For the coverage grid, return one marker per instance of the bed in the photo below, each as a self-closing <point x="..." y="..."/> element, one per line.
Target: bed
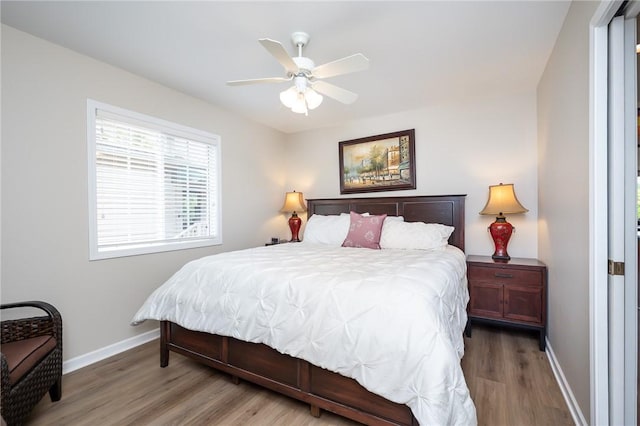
<point x="307" y="366"/>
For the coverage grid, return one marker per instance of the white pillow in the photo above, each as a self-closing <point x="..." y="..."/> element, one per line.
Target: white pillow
<point x="329" y="230"/>
<point x="414" y="235"/>
<point x="385" y="228"/>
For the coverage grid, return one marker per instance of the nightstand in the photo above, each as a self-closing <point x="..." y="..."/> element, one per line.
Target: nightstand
<point x="512" y="294"/>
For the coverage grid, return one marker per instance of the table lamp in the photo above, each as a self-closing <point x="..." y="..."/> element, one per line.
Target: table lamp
<point x="293" y="202"/>
<point x="502" y="199"/>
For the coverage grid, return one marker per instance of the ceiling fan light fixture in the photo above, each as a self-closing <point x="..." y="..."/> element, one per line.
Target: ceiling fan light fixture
<point x="300" y="101"/>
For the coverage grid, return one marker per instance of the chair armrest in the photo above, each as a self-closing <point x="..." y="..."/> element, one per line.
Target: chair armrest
<point x="24" y="328"/>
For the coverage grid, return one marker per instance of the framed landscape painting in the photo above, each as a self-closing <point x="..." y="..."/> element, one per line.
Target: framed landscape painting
<point x="378" y="163"/>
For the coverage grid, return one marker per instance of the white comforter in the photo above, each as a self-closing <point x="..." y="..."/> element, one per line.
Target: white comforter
<point x="391" y="319"/>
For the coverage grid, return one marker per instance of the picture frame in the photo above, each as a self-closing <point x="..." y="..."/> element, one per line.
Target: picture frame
<point x="378" y="163"/>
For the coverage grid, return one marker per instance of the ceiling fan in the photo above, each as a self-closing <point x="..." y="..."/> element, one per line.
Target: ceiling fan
<point x="305" y="93"/>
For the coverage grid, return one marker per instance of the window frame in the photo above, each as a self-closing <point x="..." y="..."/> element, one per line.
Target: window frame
<point x="97" y="253"/>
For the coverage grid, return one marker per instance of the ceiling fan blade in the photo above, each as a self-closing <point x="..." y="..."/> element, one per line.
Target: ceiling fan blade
<point x="353" y="63"/>
<point x="280" y="53"/>
<point x="335" y="92"/>
<point x="258" y="80"/>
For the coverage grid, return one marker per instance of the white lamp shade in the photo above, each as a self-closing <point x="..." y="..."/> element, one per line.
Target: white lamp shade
<point x="299" y="106"/>
<point x="289" y="96"/>
<point x="502" y="199"/>
<point x="314" y="99"/>
<point x="293" y="202"/>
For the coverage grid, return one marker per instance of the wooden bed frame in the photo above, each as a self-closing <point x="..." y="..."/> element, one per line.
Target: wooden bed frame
<point x="296" y="378"/>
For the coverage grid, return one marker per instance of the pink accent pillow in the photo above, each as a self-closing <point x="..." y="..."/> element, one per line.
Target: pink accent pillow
<point x="364" y="231"/>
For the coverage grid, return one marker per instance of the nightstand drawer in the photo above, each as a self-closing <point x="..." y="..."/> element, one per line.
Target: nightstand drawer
<point x="519" y="276"/>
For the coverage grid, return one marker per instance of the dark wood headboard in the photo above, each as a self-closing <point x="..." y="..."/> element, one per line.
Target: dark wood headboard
<point x="444" y="209"/>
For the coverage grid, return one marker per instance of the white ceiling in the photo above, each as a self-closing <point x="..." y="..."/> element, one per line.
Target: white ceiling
<point x="421" y="52"/>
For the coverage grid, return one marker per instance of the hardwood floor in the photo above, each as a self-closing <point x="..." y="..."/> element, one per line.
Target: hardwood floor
<point x="510" y="381"/>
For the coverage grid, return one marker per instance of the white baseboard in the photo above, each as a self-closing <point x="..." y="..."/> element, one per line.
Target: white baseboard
<point x="572" y="404"/>
<point x="104" y="353"/>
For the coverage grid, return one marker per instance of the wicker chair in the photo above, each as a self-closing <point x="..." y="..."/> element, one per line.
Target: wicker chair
<point x="31" y="356"/>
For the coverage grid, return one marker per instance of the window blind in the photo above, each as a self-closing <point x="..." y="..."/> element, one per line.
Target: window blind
<point x="156" y="184"/>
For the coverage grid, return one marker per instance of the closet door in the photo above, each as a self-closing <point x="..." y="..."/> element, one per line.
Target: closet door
<point x="622" y="221"/>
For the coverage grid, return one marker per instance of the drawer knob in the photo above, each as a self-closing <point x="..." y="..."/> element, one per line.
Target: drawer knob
<point x="503" y="275"/>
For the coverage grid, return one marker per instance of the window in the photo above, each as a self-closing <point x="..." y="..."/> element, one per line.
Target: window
<point x="153" y="185"/>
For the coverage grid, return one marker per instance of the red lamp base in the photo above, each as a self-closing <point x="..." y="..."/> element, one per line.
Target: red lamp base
<point x="294" y="225"/>
<point x="501" y="233"/>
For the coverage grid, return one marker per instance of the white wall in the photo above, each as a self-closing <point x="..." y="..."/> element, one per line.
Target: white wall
<point x="44" y="187"/>
<point x="563" y="196"/>
<point x="461" y="148"/>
